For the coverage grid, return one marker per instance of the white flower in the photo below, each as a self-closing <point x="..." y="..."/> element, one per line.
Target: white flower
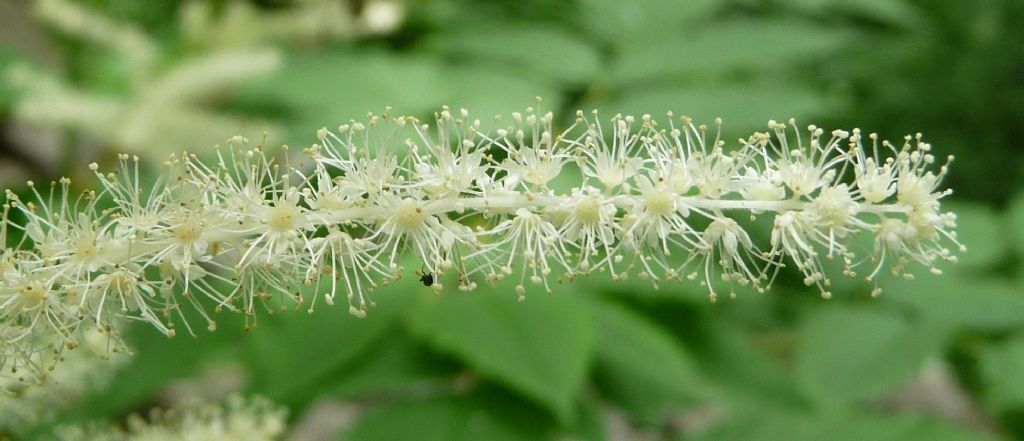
<point x="589" y="225"/>
<point x="728" y="245"/>
<point x="806" y="167"/>
<point x="658" y="220"/>
<point x="536" y="162"/>
<point x="534" y="166"/>
<point x="527" y="241"/>
<point x="761" y="187"/>
<point x="611" y="164"/>
<point x="794" y="236"/>
<point x="876" y="180"/>
<point x="345" y="261"/>
<point x="448" y="169"/>
<point x="834" y="208"/>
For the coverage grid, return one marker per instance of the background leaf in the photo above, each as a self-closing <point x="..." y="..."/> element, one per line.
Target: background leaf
<point x="983" y="303"/>
<point x="547" y="52"/>
<point x="540" y="348"/>
<point x="743" y="107"/>
<point x="978" y="226"/>
<point x="1001" y="366"/>
<point x="641" y="366"/>
<point x="340" y="339"/>
<point x="623" y="22"/>
<point x="726" y="48"/>
<point x="851" y="354"/>
<point x="773" y="424"/>
<point x="449" y="419"/>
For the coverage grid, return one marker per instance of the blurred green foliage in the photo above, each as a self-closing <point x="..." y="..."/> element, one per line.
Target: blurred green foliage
<point x="599" y="361"/>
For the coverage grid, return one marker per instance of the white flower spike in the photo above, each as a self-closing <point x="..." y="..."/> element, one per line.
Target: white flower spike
<point x="238" y="419"/>
<point x="665" y="201"/>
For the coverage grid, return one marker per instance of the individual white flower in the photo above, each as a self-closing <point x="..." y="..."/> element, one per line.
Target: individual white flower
<point x="534" y="166"/>
<point x="794" y="236"/>
<point x="590" y="226"/>
<point x="918" y="239"/>
<point x="281" y="224"/>
<point x="657" y="225"/>
<point x="536" y="162"/>
<point x="349" y="264"/>
<point x="713" y="174"/>
<point x="875" y="178"/>
<point x="875" y="183"/>
<point x="668" y="151"/>
<point x="728" y="245"/>
<point x="756" y="186"/>
<point x="834" y="209"/>
<point x="445" y="170"/>
<point x="526" y="241"/>
<point x="917" y="186"/>
<point x="33" y="306"/>
<point x="410" y="222"/>
<point x="806" y="167"/>
<point x="610" y="164"/>
<point x="362" y="169"/>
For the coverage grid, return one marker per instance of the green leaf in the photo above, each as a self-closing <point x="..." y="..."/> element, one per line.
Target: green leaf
<point x="325" y="88"/>
<point x="9" y="56"/>
<point x="321" y="88"/>
<point x="741" y="369"/>
<point x="894" y="12"/>
<point x="489" y="89"/>
<point x="621" y="22"/>
<point x="774" y="424"/>
<point x="960" y="300"/>
<point x="395" y="363"/>
<point x="853" y="353"/>
<point x="540" y="347"/>
<point x="752" y="46"/>
<point x="981" y="229"/>
<point x="643" y="368"/>
<point x="743" y="107"/>
<point x="550" y="52"/>
<point x="279" y="349"/>
<point x="158" y="361"/>
<point x="589" y="423"/>
<point x="1015" y="223"/>
<point x="1001" y="365"/>
<point x="450" y="419"/>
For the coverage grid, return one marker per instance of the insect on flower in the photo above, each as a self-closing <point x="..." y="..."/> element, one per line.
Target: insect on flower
<point x="426" y="277"/>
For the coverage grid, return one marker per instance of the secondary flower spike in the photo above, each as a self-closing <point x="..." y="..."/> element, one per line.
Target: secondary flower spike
<point x="659" y="199"/>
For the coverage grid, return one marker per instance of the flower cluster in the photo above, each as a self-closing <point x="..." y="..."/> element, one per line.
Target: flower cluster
<point x="239" y="419"/>
<point x="27" y="402"/>
<point x="237" y="229"/>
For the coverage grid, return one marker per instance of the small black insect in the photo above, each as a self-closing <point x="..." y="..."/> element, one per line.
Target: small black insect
<point x="426" y="278"/>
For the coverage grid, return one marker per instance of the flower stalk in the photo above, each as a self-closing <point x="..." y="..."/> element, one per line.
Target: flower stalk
<point x="662" y="201"/>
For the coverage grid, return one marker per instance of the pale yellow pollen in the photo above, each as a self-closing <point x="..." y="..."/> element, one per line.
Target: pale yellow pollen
<point x="85" y="249"/>
<point x="187" y="232"/>
<point x="589" y="210"/>
<point x="410" y="216"/>
<point x="658" y="203"/>
<point x="283" y="217"/>
<point x="121" y="281"/>
<point x="32" y="295"/>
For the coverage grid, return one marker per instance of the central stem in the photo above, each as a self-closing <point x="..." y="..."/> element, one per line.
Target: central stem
<point x="538" y="202"/>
